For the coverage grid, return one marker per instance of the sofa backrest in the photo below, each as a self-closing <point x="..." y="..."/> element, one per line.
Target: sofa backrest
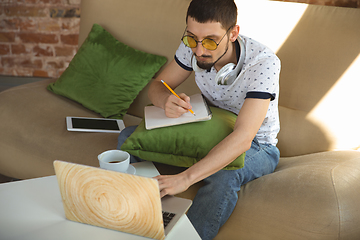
<point x="318" y="46"/>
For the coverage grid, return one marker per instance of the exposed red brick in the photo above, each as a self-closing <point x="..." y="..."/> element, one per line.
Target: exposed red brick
<point x="71" y="25"/>
<point x="12" y="62"/>
<point x="49" y="25"/>
<point x="30" y="1"/>
<point x="40" y="51"/>
<point x="9" y="24"/>
<point x="29" y="37"/>
<point x="56" y="64"/>
<point x="65" y="12"/>
<point x="17" y="49"/>
<point x="70" y="39"/>
<point x="53" y="73"/>
<point x="64" y="51"/>
<point x="60" y="72"/>
<point x="24" y="11"/>
<point x="40" y="73"/>
<point x="38" y="38"/>
<point x="28" y="72"/>
<point x="27" y="24"/>
<point x="52" y="1"/>
<point x="67" y="62"/>
<point x="73" y="2"/>
<point x="30" y="63"/>
<point x="7" y="37"/>
<point x="4" y="49"/>
<point x="7" y="62"/>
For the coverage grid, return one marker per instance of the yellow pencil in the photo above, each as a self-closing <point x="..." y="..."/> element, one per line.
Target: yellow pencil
<point x="172" y="91"/>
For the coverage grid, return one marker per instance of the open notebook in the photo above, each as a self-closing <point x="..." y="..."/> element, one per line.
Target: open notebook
<point x="117" y="201"/>
<point x="155" y="117"/>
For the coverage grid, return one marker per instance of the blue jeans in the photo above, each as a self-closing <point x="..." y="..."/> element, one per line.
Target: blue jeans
<point x="216" y="200"/>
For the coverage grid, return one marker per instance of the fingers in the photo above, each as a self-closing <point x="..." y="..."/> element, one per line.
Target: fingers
<point x="171" y="184"/>
<point x="166" y="185"/>
<point x="163" y="193"/>
<point x="175" y="107"/>
<point x="163" y="190"/>
<point x="186" y="98"/>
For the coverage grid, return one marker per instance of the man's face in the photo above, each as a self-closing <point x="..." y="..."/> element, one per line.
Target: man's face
<point x="213" y="30"/>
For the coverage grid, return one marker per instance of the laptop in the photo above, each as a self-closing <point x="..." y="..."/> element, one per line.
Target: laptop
<point x="118" y="201"/>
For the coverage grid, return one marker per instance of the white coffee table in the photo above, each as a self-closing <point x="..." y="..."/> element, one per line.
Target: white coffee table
<point x="32" y="209"/>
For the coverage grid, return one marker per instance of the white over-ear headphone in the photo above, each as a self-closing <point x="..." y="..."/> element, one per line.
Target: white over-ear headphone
<point x="228" y="73"/>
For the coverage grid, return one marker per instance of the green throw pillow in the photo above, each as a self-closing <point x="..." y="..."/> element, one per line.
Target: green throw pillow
<point x="106" y="75"/>
<point x="183" y="145"/>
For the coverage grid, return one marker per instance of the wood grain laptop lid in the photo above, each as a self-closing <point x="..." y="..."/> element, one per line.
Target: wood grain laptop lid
<point x="108" y="199"/>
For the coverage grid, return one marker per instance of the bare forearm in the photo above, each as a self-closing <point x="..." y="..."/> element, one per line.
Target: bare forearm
<point x="158" y="94"/>
<point x="239" y="141"/>
<point x="173" y="75"/>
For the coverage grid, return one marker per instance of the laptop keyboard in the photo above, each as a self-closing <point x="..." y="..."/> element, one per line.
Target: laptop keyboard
<point x="167" y="217"/>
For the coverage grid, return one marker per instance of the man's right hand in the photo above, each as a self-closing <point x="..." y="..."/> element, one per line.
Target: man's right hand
<point x="175" y="107"/>
<point x="160" y="96"/>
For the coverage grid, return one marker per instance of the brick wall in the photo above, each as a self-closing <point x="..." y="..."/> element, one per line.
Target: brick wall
<point x="39" y="37"/>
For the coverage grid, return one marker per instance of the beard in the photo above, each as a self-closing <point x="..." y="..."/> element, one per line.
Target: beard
<point x="209" y="65"/>
<point x="205" y="65"/>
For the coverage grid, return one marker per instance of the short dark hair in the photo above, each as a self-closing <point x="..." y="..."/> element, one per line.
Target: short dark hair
<point x="222" y="11"/>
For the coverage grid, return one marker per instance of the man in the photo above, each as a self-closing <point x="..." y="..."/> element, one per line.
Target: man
<point x="211" y="41"/>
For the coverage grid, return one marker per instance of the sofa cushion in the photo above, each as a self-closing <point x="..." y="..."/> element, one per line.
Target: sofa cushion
<point x="183" y="145"/>
<point x="106" y="75"/>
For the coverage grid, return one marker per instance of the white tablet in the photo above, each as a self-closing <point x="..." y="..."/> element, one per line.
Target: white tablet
<point x="82" y="124"/>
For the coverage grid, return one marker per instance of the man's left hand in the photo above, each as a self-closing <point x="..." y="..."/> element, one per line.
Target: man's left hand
<point x="172" y="184"/>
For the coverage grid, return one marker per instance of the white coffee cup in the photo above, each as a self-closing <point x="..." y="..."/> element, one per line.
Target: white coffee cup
<point x="115" y="160"/>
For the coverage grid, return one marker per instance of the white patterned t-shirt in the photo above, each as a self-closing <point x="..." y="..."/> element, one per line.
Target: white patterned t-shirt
<point x="259" y="78"/>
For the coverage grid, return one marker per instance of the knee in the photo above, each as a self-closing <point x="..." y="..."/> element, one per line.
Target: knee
<point x="224" y="181"/>
<point x="124" y="134"/>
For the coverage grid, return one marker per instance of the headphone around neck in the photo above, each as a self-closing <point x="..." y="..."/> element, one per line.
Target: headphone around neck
<point x="228" y="73"/>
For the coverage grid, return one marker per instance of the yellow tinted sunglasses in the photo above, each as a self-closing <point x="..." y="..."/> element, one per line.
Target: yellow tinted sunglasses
<point x="207" y="43"/>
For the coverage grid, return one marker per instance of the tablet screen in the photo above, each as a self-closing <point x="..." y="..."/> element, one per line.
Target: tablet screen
<point x="95" y="124"/>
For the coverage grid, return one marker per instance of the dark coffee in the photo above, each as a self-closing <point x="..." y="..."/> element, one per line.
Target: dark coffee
<point x="115" y="161"/>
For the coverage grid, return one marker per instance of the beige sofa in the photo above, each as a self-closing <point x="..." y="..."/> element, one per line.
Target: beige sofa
<point x="314" y="192"/>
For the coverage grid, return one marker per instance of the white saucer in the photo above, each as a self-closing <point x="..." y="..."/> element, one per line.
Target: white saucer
<point x="131" y="170"/>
